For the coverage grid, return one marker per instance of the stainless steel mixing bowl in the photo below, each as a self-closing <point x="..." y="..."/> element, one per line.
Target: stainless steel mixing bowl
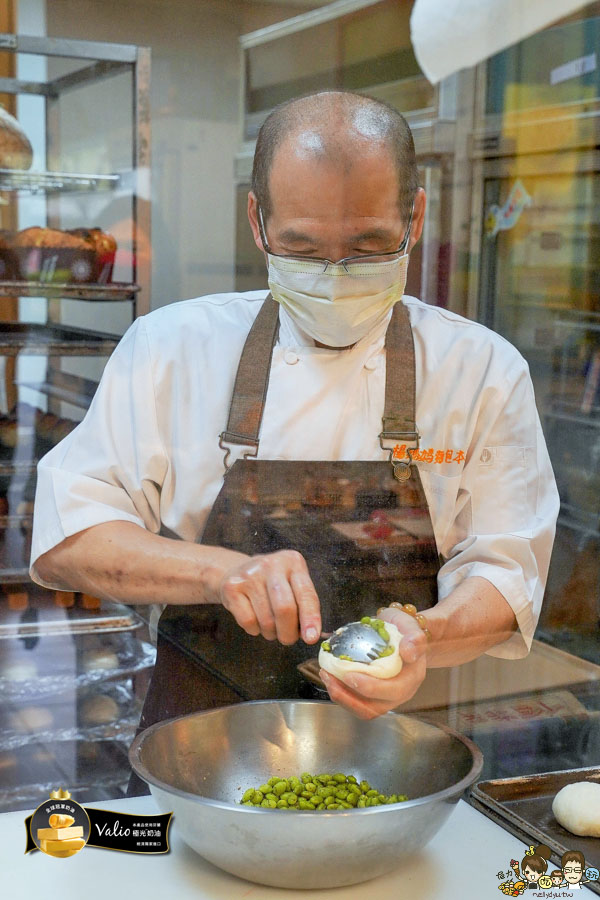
<point x="199" y="766"/>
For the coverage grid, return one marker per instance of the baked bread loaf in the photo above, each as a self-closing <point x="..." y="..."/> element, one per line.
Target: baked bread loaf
<point x="51" y="237"/>
<point x="15" y="150"/>
<point x="102" y="242"/>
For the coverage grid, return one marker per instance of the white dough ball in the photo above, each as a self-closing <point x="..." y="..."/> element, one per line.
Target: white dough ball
<point x="577" y="808"/>
<point x="100" y="658"/>
<point x="19" y="671"/>
<point x="99" y="709"/>
<point x="385" y="667"/>
<point x="31" y="718"/>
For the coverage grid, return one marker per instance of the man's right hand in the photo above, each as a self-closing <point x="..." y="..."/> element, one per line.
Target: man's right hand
<point x="273" y="595"/>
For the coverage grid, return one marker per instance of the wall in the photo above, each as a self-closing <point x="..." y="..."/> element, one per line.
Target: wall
<point x="195" y="123"/>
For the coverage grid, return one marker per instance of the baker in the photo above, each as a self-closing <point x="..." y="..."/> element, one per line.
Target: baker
<point x="270" y="465"/>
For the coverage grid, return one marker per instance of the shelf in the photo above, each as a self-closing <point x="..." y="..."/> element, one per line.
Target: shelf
<point x="578" y="418"/>
<point x="44" y="618"/>
<point x="54" y="182"/>
<point x="71" y="388"/>
<point x="568" y="520"/>
<point x="53" y="340"/>
<point x="18" y="468"/>
<point x="115" y="291"/>
<point x="17" y="521"/>
<point x="15" y="575"/>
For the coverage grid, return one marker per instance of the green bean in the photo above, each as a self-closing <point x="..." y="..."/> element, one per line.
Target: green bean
<point x="315" y="792"/>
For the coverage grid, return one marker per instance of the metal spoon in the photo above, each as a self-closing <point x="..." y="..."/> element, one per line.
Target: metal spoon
<point x="360" y="642"/>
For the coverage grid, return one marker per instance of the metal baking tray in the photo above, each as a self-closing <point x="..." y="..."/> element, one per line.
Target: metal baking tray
<point x="523" y="806"/>
<point x="43" y="618"/>
<point x="53" y="340"/>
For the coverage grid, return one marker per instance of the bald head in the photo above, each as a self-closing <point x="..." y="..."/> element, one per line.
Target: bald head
<point x="340" y="128"/>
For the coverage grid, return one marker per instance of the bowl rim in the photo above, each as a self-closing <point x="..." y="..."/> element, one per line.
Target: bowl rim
<point x="454" y="790"/>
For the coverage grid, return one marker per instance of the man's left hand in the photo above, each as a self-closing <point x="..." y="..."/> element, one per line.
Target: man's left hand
<point x="368" y="697"/>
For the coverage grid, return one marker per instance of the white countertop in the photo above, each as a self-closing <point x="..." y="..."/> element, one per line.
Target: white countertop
<point x="462" y="861"/>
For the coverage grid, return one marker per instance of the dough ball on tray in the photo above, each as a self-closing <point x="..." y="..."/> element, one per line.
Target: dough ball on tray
<point x="577" y="808"/>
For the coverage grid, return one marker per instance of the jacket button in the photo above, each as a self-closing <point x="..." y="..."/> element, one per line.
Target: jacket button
<point x="371" y="363"/>
<point x="291" y="357"/>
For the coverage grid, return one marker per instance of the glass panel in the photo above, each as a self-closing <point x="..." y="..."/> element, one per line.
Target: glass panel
<point x="553" y="67"/>
<point x="541" y="290"/>
<point x="366" y="48"/>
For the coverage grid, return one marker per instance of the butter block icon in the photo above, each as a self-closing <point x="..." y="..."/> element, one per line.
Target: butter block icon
<point x="60" y="834"/>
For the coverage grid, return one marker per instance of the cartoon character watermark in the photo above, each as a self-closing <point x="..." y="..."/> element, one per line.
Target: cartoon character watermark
<point x="532" y="874"/>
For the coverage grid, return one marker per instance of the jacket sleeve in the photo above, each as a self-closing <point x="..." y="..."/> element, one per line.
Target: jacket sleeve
<point x="506" y="507"/>
<point x="112" y="465"/>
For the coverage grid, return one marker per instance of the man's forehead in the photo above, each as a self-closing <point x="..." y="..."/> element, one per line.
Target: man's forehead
<point x="306" y="183"/>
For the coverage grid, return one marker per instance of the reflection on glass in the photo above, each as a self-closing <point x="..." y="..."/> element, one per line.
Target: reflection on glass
<point x="365" y="48"/>
<point x="540" y="287"/>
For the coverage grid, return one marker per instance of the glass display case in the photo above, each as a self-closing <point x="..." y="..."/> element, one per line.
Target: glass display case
<point x="534" y="279"/>
<point x="74" y="272"/>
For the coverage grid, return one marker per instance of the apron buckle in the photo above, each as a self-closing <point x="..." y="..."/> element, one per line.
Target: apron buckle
<point x="401" y="467"/>
<point x="238" y="440"/>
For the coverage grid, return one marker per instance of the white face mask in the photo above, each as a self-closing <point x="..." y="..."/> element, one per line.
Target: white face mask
<point x="337" y="306"/>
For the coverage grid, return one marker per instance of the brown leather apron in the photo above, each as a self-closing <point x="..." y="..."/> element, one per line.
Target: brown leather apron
<point x="363" y="527"/>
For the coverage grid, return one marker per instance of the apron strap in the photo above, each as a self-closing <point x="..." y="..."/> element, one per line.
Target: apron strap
<point x="400" y="380"/>
<point x="251" y="382"/>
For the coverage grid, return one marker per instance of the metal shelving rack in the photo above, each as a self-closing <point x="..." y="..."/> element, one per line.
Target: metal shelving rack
<point x="50" y="634"/>
<point x="90" y="62"/>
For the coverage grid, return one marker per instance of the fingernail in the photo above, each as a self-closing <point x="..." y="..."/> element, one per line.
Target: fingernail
<point x="311" y="634"/>
<point x="351" y="682"/>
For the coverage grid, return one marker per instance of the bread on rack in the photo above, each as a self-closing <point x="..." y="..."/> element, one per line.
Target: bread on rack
<point x="51" y="237"/>
<point x="15" y="150"/>
<point x="102" y="242"/>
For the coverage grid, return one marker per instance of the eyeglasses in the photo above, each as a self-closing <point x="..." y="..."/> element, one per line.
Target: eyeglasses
<point x="576" y="870"/>
<point x="347" y="261"/>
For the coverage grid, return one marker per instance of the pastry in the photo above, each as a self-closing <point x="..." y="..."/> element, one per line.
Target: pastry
<point x="100" y="659"/>
<point x="31" y="718"/>
<point x="577" y="808"/>
<point x="18" y="600"/>
<point x="89" y="602"/>
<point x="15" y="150"/>
<point x="7" y="761"/>
<point x="64" y="599"/>
<point x="99" y="709"/>
<point x="385" y="667"/>
<point x="103" y="243"/>
<point x="8" y="433"/>
<point x="19" y="671"/>
<point x="52" y="238"/>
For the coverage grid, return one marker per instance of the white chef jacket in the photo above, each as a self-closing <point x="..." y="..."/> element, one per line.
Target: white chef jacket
<point x="148" y="449"/>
